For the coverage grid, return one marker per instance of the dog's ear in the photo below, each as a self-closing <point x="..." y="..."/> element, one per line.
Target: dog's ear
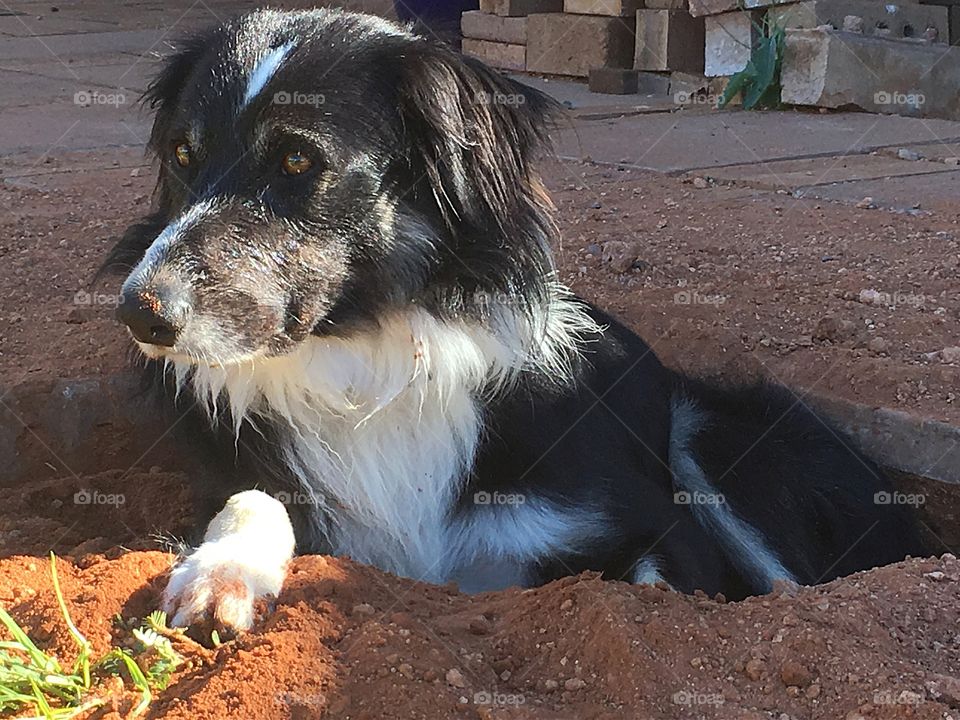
<point x="473" y="134"/>
<point x="163" y="92"/>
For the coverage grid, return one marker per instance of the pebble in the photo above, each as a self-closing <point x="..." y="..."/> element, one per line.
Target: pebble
<point x="878" y="345"/>
<point x="550" y="685"/>
<point x="574" y="684"/>
<point x="364" y="609"/>
<point x="754" y="669"/>
<point x="455" y="678"/>
<point x="794" y="673"/>
<point x="950" y="355"/>
<point x="566" y="604"/>
<point x="866" y="204"/>
<point x="700" y="183"/>
<point x="908" y="154"/>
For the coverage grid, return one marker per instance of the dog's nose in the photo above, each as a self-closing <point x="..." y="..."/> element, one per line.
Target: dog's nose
<point x="149" y="317"/>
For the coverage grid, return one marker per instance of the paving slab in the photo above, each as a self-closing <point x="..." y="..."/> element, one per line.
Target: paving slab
<point x="796" y="174"/>
<point x="682" y="141"/>
<point x="42" y="26"/>
<point x="897" y="193"/>
<point x="64" y="47"/>
<point x="69" y="127"/>
<point x="936" y="152"/>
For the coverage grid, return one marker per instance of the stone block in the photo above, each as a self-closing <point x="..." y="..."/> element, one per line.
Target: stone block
<point x="561" y="44"/>
<point x="699" y="8"/>
<point x="828" y="68"/>
<point x="902" y="20"/>
<point x="667" y="5"/>
<point x="494" y="28"/>
<point x="519" y="8"/>
<point x="499" y="55"/>
<point x="669" y="40"/>
<point x="613" y="8"/>
<point x="730" y="38"/>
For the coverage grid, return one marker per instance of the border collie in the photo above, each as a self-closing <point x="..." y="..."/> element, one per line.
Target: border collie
<point x="348" y="266"/>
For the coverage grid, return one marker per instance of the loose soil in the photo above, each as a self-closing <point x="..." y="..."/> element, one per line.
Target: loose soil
<point x="720" y="280"/>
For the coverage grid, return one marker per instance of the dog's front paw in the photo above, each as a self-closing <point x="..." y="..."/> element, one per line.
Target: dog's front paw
<point x="243" y="558"/>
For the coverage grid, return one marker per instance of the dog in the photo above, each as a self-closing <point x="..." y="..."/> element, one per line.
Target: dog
<point x="348" y="268"/>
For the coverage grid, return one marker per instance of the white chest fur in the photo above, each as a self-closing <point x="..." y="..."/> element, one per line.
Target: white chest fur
<point x="381" y="430"/>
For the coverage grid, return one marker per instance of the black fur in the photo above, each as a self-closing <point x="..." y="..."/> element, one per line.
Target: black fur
<point x="448" y="147"/>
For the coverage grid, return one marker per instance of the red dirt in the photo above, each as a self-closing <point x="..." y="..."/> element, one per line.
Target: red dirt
<point x="350" y="641"/>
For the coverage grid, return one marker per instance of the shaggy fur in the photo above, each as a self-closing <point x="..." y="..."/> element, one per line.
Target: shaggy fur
<point x="384" y="338"/>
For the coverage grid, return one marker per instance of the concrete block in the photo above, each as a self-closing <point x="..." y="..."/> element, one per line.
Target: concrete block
<point x="613" y="8"/>
<point x="827" y="68"/>
<point x="486" y="26"/>
<point x="730" y="38"/>
<point x="904" y="20"/>
<point x="669" y="40"/>
<point x="517" y="8"/>
<point x="561" y="44"/>
<point x="667" y="5"/>
<point x="498" y="55"/>
<point x="699" y="8"/>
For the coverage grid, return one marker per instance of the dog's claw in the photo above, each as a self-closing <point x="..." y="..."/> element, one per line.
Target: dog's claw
<point x="243" y="559"/>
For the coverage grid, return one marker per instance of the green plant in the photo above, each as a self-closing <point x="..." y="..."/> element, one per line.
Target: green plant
<point x="759" y="81"/>
<point x="33" y="680"/>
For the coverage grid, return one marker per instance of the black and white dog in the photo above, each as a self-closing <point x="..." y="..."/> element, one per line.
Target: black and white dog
<point x="349" y="266"/>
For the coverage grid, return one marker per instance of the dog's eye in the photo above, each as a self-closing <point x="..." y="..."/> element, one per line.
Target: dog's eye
<point x="181" y="152"/>
<point x="295" y="163"/>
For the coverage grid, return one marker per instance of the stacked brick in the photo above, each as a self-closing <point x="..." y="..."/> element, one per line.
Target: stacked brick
<point x="497" y="32"/>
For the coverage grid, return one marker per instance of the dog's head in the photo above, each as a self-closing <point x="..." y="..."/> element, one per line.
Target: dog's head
<point x="319" y="170"/>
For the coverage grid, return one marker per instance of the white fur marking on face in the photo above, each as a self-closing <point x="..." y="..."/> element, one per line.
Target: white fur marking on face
<point x="243" y="557"/>
<point x="158" y="248"/>
<point x="744" y="545"/>
<point x="265" y="69"/>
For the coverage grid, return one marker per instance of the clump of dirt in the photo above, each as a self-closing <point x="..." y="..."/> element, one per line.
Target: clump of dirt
<point x="346" y="640"/>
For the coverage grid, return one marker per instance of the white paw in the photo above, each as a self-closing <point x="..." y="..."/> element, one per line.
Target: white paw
<point x="243" y="558"/>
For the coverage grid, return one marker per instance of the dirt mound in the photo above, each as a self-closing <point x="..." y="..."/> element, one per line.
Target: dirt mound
<point x="346" y="640"/>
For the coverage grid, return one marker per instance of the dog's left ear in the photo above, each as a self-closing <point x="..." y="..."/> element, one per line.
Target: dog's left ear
<point x="473" y="133"/>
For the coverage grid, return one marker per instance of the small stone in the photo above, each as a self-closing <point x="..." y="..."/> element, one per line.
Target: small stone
<point x="908" y="154"/>
<point x="952" y="161"/>
<point x="866" y="204"/>
<point x="696" y="662"/>
<point x="455" y="678"/>
<point x="550" y="685"/>
<point x="813" y="692"/>
<point x="936" y="576"/>
<point x="754" y="669"/>
<point x="701" y="183"/>
<point x="364" y="610"/>
<point x="574" y="684"/>
<point x="405" y="669"/>
<point x="793" y="673"/>
<point x="853" y="23"/>
<point x="950" y="355"/>
<point x="566" y="605"/>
